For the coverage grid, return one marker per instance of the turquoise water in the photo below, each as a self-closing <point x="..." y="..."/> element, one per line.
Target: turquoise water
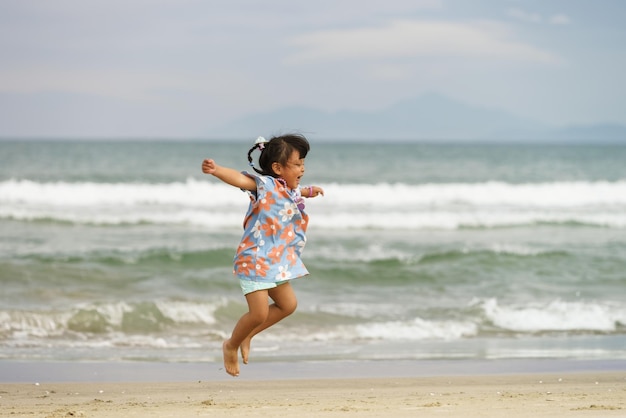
<point x="122" y="250"/>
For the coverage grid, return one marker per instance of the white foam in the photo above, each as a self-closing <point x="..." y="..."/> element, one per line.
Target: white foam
<point x="383" y="195"/>
<point x="556" y="315"/>
<point x="554" y="194"/>
<point x="23" y="324"/>
<point x="417" y="330"/>
<point x="189" y="313"/>
<point x="191" y="193"/>
<point x="213" y="204"/>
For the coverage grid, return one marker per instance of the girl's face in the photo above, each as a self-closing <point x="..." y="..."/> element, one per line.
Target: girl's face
<point x="291" y="172"/>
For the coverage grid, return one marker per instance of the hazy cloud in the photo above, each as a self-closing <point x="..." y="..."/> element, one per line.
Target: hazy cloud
<point x="533" y="17"/>
<point x="524" y="16"/>
<point x="413" y="38"/>
<point x="560" y="19"/>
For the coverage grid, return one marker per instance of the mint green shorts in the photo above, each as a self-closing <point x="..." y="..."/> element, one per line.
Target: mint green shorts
<point x="249" y="286"/>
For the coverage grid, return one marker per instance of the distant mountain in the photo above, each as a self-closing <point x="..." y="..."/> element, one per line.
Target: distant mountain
<point x="427" y="117"/>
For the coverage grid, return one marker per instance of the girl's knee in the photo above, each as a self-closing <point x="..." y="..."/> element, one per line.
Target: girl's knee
<point x="285" y="299"/>
<point x="258" y="316"/>
<point x="289" y="306"/>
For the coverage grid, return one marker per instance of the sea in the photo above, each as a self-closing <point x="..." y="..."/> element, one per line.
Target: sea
<point x="122" y="250"/>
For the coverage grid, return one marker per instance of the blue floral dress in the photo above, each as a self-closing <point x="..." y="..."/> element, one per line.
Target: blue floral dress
<point x="274" y="233"/>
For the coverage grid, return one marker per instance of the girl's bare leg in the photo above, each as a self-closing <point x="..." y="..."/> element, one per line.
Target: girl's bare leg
<point x="285" y="303"/>
<point x="258" y="312"/>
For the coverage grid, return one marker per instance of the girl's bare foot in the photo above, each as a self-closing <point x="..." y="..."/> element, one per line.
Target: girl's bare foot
<point x="231" y="360"/>
<point x="245" y="350"/>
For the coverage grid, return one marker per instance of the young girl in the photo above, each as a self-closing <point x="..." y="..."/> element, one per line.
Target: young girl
<point x="268" y="256"/>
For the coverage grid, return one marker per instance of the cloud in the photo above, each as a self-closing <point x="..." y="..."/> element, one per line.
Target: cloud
<point x="525" y="16"/>
<point x="388" y="71"/>
<point x="414" y="38"/>
<point x="131" y="85"/>
<point x="560" y="19"/>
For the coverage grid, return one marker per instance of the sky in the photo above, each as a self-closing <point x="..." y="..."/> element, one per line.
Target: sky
<point x="178" y="68"/>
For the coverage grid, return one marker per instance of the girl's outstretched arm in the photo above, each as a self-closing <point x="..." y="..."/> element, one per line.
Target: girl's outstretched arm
<point x="228" y="175"/>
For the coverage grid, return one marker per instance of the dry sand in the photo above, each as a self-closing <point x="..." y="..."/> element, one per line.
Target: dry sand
<point x="593" y="394"/>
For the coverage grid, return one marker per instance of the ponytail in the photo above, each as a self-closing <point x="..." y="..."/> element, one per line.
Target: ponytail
<point x="260" y="144"/>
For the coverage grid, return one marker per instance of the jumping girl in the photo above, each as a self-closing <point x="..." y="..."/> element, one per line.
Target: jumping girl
<point x="268" y="257"/>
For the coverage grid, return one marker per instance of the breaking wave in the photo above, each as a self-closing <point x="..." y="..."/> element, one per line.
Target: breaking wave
<point x="345" y="206"/>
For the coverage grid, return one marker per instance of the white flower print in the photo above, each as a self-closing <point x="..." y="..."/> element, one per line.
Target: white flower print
<point x="283" y="273"/>
<point x="300" y="246"/>
<point x="288" y="211"/>
<point x="256" y="232"/>
<point x="256" y="229"/>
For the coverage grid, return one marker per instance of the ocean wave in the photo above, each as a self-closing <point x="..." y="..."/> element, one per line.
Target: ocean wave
<point x="154" y="256"/>
<point x="128" y="318"/>
<point x="202" y="193"/>
<point x="346" y="206"/>
<point x="555" y="316"/>
<point x="166" y="326"/>
<point x="190" y="193"/>
<point x="229" y="219"/>
<point x="395" y="253"/>
<point x="418" y="329"/>
<point x="491" y="318"/>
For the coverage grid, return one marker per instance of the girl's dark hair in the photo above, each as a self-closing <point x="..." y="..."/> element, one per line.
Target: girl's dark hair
<point x="278" y="150"/>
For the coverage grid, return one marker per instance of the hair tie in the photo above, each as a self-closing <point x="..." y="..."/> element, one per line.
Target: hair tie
<point x="260" y="142"/>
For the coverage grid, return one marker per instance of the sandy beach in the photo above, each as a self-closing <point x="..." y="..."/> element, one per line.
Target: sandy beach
<point x="588" y="394"/>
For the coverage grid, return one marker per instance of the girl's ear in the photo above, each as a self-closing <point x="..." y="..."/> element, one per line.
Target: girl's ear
<point x="276" y="168"/>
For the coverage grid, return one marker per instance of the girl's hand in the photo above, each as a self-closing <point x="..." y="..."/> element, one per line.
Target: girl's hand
<point x="313" y="191"/>
<point x="228" y="175"/>
<point x="209" y="167"/>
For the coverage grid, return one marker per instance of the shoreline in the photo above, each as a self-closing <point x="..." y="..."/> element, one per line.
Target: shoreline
<point x="16" y="371"/>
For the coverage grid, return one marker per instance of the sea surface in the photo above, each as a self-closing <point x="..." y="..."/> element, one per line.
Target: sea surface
<point x="122" y="251"/>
